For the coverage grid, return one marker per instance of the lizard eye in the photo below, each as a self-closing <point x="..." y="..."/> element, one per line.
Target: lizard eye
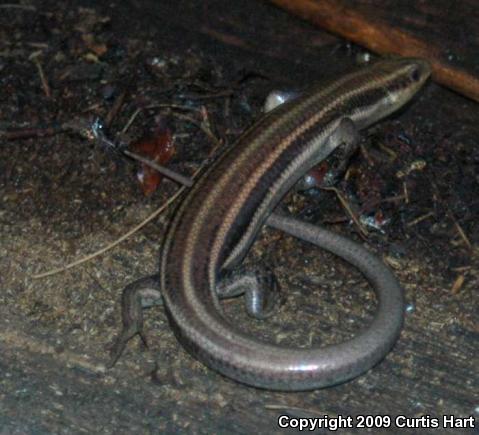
<point x="415" y="75"/>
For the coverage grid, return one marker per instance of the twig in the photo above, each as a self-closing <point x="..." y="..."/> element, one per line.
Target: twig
<point x="219" y="94"/>
<point x="185" y="181"/>
<point x="388" y="151"/>
<point x="17" y="6"/>
<point x="348" y="209"/>
<point x="93" y="107"/>
<point x="116" y="242"/>
<point x="23" y="133"/>
<point x="451" y="216"/>
<point x="461" y="269"/>
<point x="366" y="155"/>
<point x="201" y="125"/>
<point x="457" y="284"/>
<point x="420" y="219"/>
<point x="115" y="109"/>
<point x="45" y="85"/>
<point x="406" y="192"/>
<point x="460" y="230"/>
<point x="155" y="106"/>
<point x="130" y="121"/>
<point x="397" y="198"/>
<point x="206" y="130"/>
<point x="41" y="45"/>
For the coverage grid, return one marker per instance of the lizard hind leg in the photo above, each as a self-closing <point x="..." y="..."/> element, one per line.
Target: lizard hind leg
<point x="259" y="287"/>
<point x="142" y="293"/>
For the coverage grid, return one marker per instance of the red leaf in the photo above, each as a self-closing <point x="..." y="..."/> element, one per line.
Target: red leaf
<point x="158" y="147"/>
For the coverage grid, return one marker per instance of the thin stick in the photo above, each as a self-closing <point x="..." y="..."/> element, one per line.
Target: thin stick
<point x="206" y="130"/>
<point x="15" y="6"/>
<point x="45" y="85"/>
<point x="156" y="106"/>
<point x="420" y="219"/>
<point x="219" y="94"/>
<point x="348" y="209"/>
<point x="130" y="121"/>
<point x="451" y="216"/>
<point x="461" y="232"/>
<point x="116" y="242"/>
<point x="457" y="284"/>
<point x="396" y="198"/>
<point x="118" y="103"/>
<point x="406" y="192"/>
<point x="31" y="132"/>
<point x="185" y="181"/>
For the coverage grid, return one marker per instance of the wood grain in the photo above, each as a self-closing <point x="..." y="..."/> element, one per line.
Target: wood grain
<point x="426" y="33"/>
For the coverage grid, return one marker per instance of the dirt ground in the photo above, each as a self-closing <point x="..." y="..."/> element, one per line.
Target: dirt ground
<point x="414" y="185"/>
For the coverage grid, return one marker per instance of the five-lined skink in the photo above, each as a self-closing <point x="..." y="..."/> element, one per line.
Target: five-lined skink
<point x="220" y="216"/>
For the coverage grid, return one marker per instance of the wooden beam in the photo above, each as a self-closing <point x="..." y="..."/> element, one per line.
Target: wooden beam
<point x="383" y="37"/>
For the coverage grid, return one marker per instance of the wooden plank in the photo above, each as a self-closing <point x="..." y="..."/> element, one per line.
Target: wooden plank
<point x="421" y="29"/>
